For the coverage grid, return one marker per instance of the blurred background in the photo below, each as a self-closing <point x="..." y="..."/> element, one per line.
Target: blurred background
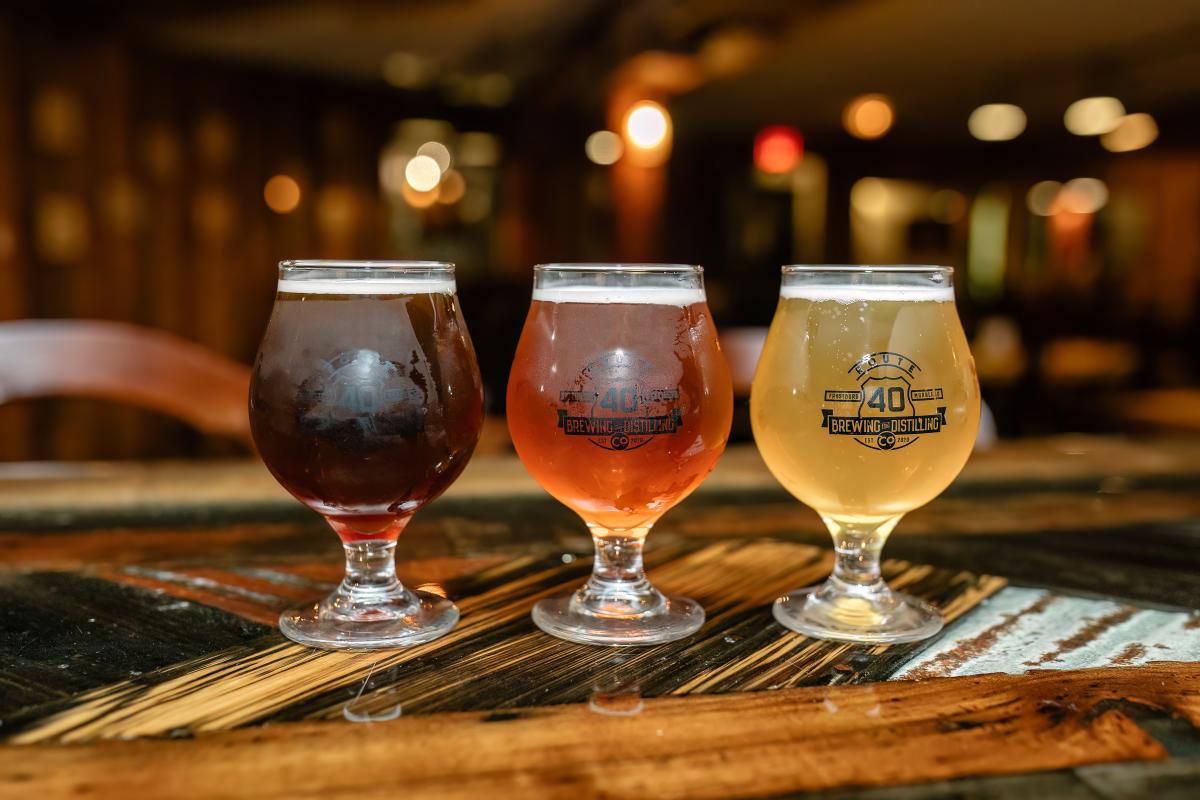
<point x="158" y="158"/>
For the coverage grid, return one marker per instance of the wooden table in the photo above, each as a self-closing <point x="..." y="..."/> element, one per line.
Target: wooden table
<point x="139" y="658"/>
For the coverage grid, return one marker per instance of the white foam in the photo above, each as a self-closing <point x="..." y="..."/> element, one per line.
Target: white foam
<point x="375" y="286"/>
<point x="632" y="295"/>
<point x="866" y="293"/>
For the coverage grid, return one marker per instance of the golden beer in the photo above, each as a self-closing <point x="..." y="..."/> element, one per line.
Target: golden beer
<point x="865" y="405"/>
<point x="876" y="360"/>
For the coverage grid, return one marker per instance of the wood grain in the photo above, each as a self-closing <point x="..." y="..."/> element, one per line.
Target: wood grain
<point x="495" y="658"/>
<point x="739" y="745"/>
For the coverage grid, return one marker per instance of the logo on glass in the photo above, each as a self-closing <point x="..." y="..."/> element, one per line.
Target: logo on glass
<point x="613" y="408"/>
<point x="892" y="412"/>
<point x="361" y="394"/>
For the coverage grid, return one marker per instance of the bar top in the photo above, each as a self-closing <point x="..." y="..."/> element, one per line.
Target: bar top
<point x="137" y="608"/>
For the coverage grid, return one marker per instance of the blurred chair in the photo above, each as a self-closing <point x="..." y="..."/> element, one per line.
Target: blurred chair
<point x="743" y="347"/>
<point x="116" y="361"/>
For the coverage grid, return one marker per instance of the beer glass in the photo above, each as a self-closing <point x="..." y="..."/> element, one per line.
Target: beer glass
<point x="865" y="406"/>
<point x="619" y="403"/>
<point x="365" y="404"/>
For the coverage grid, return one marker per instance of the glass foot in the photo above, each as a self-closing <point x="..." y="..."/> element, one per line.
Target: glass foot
<point x="565" y="617"/>
<point x="846" y="613"/>
<point x="405" y="619"/>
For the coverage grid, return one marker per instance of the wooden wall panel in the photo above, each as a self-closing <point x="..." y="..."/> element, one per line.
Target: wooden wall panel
<point x="16" y="420"/>
<point x="149" y="208"/>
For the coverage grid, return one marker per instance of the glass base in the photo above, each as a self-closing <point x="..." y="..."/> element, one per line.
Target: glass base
<point x="406" y="618"/>
<point x="842" y="612"/>
<point x="565" y="617"/>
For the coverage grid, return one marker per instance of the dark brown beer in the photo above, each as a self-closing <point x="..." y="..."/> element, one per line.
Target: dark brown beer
<point x="366" y="400"/>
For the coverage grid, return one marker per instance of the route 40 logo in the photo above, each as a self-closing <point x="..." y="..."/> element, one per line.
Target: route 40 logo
<point x="887" y="415"/>
<point x="613" y="408"/>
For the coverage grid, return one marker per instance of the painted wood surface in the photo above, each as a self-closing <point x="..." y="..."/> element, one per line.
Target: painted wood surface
<point x="1021" y="629"/>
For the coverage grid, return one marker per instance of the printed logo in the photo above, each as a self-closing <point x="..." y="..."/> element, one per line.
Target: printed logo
<point x="614" y="409"/>
<point x="887" y="402"/>
<point x="360" y="393"/>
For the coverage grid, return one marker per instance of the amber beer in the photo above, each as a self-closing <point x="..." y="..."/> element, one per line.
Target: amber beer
<point x="625" y="410"/>
<point x="366" y="401"/>
<point x="619" y="404"/>
<point x="865" y="404"/>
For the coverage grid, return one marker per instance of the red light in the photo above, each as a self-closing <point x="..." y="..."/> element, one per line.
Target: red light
<point x="778" y="149"/>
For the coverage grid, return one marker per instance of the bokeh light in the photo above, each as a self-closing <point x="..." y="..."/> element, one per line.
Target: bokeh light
<point x="452" y="188"/>
<point x="422" y="173"/>
<point x="62" y="229"/>
<point x="122" y="205"/>
<point x="406" y="70"/>
<point x="161" y="151"/>
<point x="58" y="121"/>
<point x="647" y="125"/>
<point x="1042" y="196"/>
<point x="947" y="206"/>
<point x="419" y="199"/>
<point x="996" y="122"/>
<point x="1093" y="116"/>
<point x="214" y="214"/>
<point x="604" y="148"/>
<point x="391" y="170"/>
<point x="438" y="152"/>
<point x="778" y="149"/>
<point x="216" y="139"/>
<point x="869" y="196"/>
<point x="1133" y="132"/>
<point x="282" y="194"/>
<point x="1082" y="196"/>
<point x="868" y="116"/>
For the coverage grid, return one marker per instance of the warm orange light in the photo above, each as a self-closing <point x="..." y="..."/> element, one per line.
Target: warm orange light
<point x="778" y="149"/>
<point x="282" y="194"/>
<point x="452" y="188"/>
<point x="868" y="116"/>
<point x="647" y="125"/>
<point x="417" y="198"/>
<point x="1133" y="132"/>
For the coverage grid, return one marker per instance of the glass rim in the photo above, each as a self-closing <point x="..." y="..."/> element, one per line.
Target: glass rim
<point x="859" y="269"/>
<point x="608" y="267"/>
<point x="394" y="266"/>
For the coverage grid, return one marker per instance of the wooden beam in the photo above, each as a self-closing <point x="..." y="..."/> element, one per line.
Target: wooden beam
<point x="760" y="744"/>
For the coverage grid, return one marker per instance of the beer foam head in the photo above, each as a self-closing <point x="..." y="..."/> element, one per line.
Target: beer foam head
<point x="368" y="286"/>
<point x="632" y="295"/>
<point x="862" y="293"/>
